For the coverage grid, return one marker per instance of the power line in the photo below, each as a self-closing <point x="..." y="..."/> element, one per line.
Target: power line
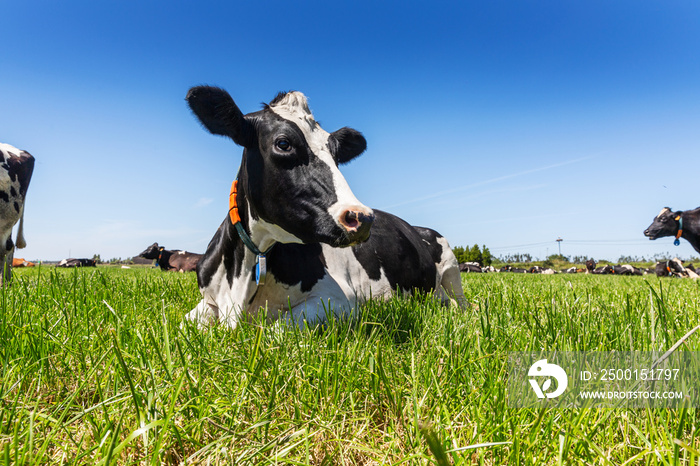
<point x="601" y="242"/>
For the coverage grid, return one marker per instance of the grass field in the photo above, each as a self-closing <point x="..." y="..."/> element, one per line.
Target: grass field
<point x="97" y="369"/>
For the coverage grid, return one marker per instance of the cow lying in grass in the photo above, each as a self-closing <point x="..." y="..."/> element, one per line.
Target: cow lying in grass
<point x="69" y="263"/>
<point x="297" y="242"/>
<point x="179" y="261"/>
<point x="675" y="268"/>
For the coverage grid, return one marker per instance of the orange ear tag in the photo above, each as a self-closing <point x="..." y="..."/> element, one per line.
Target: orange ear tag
<point x="233" y="203"/>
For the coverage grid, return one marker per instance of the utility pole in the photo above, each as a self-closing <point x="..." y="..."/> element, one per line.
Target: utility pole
<point x="559" y="240"/>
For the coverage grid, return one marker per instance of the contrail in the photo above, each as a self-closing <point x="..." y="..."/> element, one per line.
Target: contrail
<point x="492" y="180"/>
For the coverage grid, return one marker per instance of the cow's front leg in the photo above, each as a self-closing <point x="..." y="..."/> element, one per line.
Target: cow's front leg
<point x="316" y="311"/>
<point x="204" y="314"/>
<point x="6" y="267"/>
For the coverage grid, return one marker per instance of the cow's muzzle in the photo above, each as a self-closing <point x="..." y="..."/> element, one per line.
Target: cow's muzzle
<point x="357" y="223"/>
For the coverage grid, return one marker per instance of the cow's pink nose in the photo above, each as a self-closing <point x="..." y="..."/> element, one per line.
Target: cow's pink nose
<point x="357" y="222"/>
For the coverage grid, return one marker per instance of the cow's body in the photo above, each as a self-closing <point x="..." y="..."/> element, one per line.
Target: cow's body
<point x="16" y="167"/>
<point x="180" y="261"/>
<point x="681" y="224"/>
<point x="293" y="211"/>
<point x="306" y="277"/>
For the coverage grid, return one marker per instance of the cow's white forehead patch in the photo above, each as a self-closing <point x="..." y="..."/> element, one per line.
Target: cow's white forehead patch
<point x="9" y="150"/>
<point x="663" y="211"/>
<point x="295" y="107"/>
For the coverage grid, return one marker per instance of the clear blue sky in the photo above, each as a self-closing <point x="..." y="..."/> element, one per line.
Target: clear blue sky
<point x="501" y="123"/>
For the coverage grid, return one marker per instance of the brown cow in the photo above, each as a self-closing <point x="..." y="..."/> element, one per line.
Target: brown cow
<point x="182" y="261"/>
<point x="19" y="262"/>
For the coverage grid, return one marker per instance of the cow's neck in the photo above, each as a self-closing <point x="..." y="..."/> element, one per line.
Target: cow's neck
<point x="260" y="233"/>
<point x="691" y="228"/>
<point x="163" y="258"/>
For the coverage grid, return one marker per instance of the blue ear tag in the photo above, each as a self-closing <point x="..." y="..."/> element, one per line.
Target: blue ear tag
<point x="260" y="269"/>
<point x="677" y="242"/>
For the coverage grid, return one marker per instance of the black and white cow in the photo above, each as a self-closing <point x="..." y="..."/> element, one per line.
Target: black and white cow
<point x="681" y="224"/>
<point x="675" y="268"/>
<point x="605" y="270"/>
<point x="176" y="260"/>
<point x="510" y="268"/>
<point x="70" y="263"/>
<point x="301" y="228"/>
<point x="470" y="267"/>
<point x="541" y="270"/>
<point x="16" y="167"/>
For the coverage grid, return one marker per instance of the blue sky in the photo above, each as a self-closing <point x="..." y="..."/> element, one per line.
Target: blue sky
<point x="507" y="124"/>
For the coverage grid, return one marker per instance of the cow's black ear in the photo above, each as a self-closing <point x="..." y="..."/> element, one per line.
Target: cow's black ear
<point x="347" y="144"/>
<point x="219" y="114"/>
<point x="21" y="168"/>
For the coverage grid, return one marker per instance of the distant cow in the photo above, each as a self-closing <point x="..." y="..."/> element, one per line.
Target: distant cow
<point x="627" y="269"/>
<point x="674" y="268"/>
<point x="472" y="267"/>
<point x="181" y="261"/>
<point x="510" y="268"/>
<point x="19" y="262"/>
<point x="77" y="263"/>
<point x="685" y="224"/>
<point x="16" y="167"/>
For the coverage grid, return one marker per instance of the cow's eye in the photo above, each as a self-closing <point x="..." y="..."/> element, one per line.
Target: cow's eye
<point x="283" y="145"/>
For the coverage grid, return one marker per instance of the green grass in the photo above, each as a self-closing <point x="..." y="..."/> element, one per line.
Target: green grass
<point x="96" y="368"/>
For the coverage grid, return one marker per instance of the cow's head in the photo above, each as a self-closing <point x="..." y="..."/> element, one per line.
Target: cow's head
<point x="151" y="252"/>
<point x="590" y="265"/>
<point x="664" y="224"/>
<point x="289" y="171"/>
<point x="675" y="265"/>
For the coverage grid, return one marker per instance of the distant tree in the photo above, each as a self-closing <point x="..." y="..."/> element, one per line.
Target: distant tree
<point x="486" y="256"/>
<point x="97" y="259"/>
<point x="459" y="254"/>
<point x="516" y="258"/>
<point x="558" y="258"/>
<point x="474" y="254"/>
<point x="626" y="259"/>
